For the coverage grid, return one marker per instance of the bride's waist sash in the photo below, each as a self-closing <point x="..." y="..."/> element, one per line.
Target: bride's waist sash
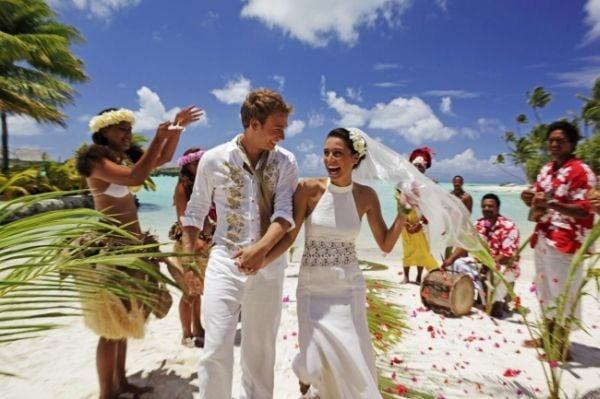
<point x="329" y="253"/>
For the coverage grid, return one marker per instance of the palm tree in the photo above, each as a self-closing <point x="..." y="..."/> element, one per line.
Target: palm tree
<point x="37" y="67"/>
<point x="538" y="99"/>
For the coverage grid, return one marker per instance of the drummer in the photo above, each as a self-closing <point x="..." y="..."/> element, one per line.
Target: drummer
<point x="502" y="237"/>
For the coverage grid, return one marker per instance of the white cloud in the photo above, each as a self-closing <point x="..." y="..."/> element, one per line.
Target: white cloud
<point x="20" y="125"/>
<point x="152" y="111"/>
<point x="398" y="83"/>
<point x="316" y="22"/>
<point x="411" y="118"/>
<point x="451" y="93"/>
<point x="592" y="19"/>
<point x="209" y="18"/>
<point x="382" y="66"/>
<point x="234" y="92"/>
<point x="446" y="106"/>
<point x="280" y="80"/>
<point x="351" y="115"/>
<point x="472" y="168"/>
<point x="311" y="165"/>
<point x="294" y="128"/>
<point x="316" y="120"/>
<point x="483" y="126"/>
<point x="584" y="77"/>
<point x="100" y="9"/>
<point x="306" y="146"/>
<point x="354" y="94"/>
<point x="442" y="4"/>
<point x="84" y="118"/>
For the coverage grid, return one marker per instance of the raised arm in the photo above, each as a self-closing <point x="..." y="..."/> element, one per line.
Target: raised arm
<point x="385" y="238"/>
<point x="109" y="171"/>
<point x="183" y="118"/>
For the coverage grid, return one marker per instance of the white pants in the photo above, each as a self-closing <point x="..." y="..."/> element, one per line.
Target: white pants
<point x="469" y="266"/>
<point x="551" y="272"/>
<point x="226" y="293"/>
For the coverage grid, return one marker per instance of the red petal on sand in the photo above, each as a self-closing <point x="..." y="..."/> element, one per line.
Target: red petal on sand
<point x="401" y="389"/>
<point x="511" y="372"/>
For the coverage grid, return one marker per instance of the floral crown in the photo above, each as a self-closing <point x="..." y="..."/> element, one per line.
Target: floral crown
<point x="111" y="118"/>
<point x="358" y="141"/>
<point x="189" y="158"/>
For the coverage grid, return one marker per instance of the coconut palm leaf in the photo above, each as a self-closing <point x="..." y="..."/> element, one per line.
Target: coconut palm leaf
<point x="46" y="268"/>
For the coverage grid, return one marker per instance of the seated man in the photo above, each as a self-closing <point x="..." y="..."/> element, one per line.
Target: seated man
<point x="502" y="237"/>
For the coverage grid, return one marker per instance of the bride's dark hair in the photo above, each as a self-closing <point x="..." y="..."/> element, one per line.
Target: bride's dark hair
<point x="344" y="134"/>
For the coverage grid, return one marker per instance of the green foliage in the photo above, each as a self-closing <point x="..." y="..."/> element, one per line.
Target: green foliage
<point x="529" y="150"/>
<point x="37" y="67"/>
<point x="589" y="151"/>
<point x="40" y="254"/>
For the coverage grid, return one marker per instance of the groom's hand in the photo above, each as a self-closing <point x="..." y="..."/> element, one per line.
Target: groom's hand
<point x="250" y="259"/>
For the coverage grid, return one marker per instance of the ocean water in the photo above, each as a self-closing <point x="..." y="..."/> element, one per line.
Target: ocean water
<point x="157" y="212"/>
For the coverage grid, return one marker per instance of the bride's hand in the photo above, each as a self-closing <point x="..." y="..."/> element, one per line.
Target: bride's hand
<point x="188" y="115"/>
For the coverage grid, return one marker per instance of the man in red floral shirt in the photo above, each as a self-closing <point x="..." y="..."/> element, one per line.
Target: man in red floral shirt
<point x="562" y="211"/>
<point x="502" y="237"/>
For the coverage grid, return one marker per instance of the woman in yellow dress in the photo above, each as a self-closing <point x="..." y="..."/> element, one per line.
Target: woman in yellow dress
<point x="414" y="238"/>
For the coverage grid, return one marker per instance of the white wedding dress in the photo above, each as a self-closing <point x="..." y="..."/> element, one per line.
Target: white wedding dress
<point x="336" y="356"/>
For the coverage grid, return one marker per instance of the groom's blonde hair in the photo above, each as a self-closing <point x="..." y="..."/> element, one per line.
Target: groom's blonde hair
<point x="261" y="103"/>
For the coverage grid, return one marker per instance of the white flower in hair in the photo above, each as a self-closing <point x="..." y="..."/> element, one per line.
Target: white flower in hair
<point x="358" y="141"/>
<point x="111" y="118"/>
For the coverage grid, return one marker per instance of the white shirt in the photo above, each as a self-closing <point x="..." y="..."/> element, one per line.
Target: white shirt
<point x="222" y="178"/>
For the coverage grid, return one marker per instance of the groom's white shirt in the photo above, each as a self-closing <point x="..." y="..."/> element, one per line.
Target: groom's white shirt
<point x="221" y="178"/>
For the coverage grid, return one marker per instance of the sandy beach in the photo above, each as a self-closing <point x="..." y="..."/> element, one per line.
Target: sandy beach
<point x="461" y="357"/>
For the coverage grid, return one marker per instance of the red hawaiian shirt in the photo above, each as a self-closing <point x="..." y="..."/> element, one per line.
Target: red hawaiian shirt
<point x="502" y="238"/>
<point x="568" y="184"/>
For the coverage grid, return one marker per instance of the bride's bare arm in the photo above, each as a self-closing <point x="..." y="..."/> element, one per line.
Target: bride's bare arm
<point x="385" y="238"/>
<point x="300" y="200"/>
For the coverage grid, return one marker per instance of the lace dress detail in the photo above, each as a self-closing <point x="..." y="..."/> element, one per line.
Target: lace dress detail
<point x="328" y="253"/>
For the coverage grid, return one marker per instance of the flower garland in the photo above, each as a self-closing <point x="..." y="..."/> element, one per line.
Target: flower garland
<point x="189" y="158"/>
<point x="358" y="141"/>
<point x="111" y="118"/>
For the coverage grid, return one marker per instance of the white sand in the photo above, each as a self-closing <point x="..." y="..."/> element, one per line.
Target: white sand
<point x="62" y="363"/>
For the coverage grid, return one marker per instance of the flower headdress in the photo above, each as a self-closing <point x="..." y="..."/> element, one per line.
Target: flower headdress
<point x="189" y="158"/>
<point x="423" y="155"/>
<point x="358" y="142"/>
<point x="111" y="118"/>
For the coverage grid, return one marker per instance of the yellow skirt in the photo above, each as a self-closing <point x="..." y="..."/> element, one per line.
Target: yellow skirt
<point x="114" y="317"/>
<point x="416" y="247"/>
<point x="107" y="316"/>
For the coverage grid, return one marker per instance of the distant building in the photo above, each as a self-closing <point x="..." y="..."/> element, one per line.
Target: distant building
<point x="27" y="154"/>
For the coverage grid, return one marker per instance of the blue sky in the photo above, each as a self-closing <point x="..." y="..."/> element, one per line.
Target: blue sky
<point x="448" y="74"/>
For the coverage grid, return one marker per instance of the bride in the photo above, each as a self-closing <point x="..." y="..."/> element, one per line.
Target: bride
<point x="336" y="356"/>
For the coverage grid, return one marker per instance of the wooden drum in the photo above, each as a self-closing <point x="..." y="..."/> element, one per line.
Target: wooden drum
<point x="448" y="292"/>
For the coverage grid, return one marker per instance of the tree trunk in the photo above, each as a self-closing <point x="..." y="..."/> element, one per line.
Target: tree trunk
<point x="4" y="143"/>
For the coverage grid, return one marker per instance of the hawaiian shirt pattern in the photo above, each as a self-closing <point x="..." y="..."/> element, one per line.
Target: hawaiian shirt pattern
<point x="569" y="184"/>
<point x="222" y="178"/>
<point x="502" y="238"/>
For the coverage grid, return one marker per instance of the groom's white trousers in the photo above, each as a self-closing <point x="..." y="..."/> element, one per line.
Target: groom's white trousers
<point x="226" y="293"/>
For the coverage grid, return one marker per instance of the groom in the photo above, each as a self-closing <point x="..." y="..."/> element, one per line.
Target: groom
<point x="251" y="181"/>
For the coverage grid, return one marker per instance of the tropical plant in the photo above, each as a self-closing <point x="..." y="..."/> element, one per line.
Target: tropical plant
<point x="529" y="150"/>
<point x="387" y="324"/>
<point x="46" y="268"/>
<point x="37" y="67"/>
